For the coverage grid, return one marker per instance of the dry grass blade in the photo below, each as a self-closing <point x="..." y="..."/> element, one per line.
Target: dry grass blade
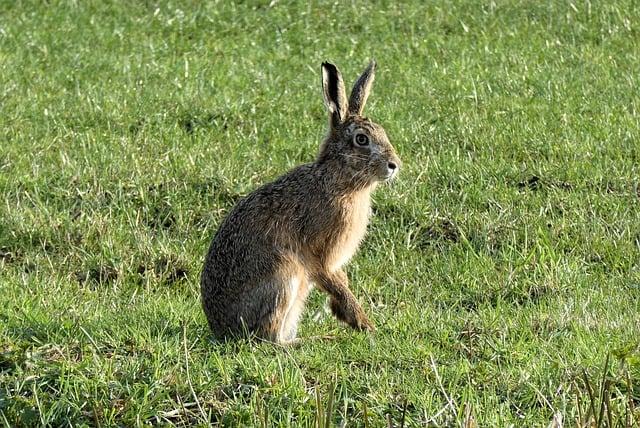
<point x="592" y="410"/>
<point x="607" y="399"/>
<point x="186" y="362"/>
<point x="603" y="392"/>
<point x="365" y="416"/>
<point x="556" y="421"/>
<point x="319" y="407"/>
<point x="329" y="411"/>
<point x="631" y="410"/>
<point x="404" y="413"/>
<point x="578" y="403"/>
<point x="450" y="402"/>
<point x="469" y="419"/>
<point x="324" y="413"/>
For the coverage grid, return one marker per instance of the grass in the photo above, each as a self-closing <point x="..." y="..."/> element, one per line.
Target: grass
<point x="502" y="269"/>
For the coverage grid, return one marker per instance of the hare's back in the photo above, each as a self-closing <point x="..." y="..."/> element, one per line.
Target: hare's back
<point x="259" y="231"/>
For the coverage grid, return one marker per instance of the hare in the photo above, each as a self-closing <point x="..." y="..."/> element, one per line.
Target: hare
<point x="298" y="231"/>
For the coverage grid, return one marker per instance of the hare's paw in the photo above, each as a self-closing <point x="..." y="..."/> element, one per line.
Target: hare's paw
<point x="365" y="324"/>
<point x="352" y="315"/>
<point x="291" y="343"/>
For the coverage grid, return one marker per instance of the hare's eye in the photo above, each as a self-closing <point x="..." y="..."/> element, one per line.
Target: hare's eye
<point x="361" y="140"/>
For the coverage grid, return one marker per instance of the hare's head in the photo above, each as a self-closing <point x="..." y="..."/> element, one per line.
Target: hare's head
<point x="359" y="146"/>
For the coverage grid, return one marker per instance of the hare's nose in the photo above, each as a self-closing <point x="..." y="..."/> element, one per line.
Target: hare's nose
<point x="392" y="166"/>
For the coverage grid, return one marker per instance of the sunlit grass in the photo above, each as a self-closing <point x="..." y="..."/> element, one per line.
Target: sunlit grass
<point x="500" y="269"/>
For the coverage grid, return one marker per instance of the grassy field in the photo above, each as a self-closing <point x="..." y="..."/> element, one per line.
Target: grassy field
<point x="502" y="269"/>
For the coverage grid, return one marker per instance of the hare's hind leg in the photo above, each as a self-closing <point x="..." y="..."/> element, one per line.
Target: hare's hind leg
<point x="279" y="323"/>
<point x="282" y="299"/>
<point x="296" y="292"/>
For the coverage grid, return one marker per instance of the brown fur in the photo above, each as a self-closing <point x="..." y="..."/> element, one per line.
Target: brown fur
<point x="300" y="229"/>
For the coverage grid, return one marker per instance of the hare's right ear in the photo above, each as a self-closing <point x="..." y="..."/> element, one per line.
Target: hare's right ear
<point x="361" y="89"/>
<point x="335" y="96"/>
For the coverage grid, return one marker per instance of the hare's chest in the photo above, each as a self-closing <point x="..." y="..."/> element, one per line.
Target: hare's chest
<point x="354" y="229"/>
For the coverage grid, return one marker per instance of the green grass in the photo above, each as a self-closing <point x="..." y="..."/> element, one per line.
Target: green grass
<point x="501" y="269"/>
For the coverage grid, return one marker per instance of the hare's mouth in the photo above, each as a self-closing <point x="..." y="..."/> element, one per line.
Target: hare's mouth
<point x="390" y="176"/>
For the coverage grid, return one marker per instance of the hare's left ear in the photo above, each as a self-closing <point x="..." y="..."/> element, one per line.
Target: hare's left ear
<point x="335" y="96"/>
<point x="361" y="90"/>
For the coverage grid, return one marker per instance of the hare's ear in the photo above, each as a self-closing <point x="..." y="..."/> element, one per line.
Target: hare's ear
<point x="335" y="96"/>
<point x="361" y="89"/>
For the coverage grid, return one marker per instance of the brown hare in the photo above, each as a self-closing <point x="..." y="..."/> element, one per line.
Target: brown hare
<point x="299" y="230"/>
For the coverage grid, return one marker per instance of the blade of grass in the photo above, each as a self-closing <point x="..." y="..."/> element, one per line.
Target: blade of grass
<point x="592" y="403"/>
<point x="603" y="389"/>
<point x="186" y="362"/>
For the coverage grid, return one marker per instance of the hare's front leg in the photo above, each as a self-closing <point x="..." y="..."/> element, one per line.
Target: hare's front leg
<point x="343" y="303"/>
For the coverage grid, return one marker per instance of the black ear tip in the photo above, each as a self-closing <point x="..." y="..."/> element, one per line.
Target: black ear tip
<point x="372" y="64"/>
<point x="328" y="65"/>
